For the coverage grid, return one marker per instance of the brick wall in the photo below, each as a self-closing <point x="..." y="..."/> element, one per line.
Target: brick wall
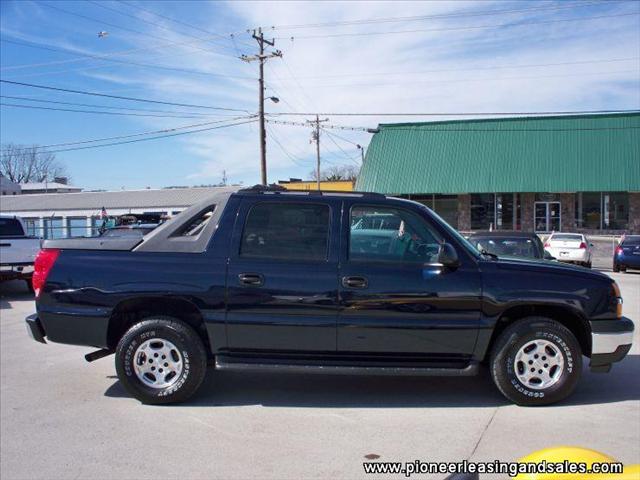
<point x="464" y="213"/>
<point x="634" y="212"/>
<point x="526" y="211"/>
<point x="568" y="208"/>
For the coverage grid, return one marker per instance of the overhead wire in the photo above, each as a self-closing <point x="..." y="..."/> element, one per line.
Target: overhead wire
<point x="109" y="107"/>
<point x="149" y="138"/>
<point x="103" y="22"/>
<point x="140" y="134"/>
<point x="566" y="5"/>
<point x="95" y="112"/>
<point x="135" y="99"/>
<point x="470" y="27"/>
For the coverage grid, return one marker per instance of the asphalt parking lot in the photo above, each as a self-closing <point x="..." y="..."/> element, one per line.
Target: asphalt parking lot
<point x="64" y="418"/>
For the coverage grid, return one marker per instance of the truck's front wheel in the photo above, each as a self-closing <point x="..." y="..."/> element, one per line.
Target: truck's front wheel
<point x="536" y="361"/>
<point x="161" y="360"/>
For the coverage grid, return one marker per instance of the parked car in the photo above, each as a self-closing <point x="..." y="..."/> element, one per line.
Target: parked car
<point x="627" y="254"/>
<point x="135" y="230"/>
<point x="570" y="248"/>
<point x="17" y="250"/>
<point x="262" y="279"/>
<point x="510" y="243"/>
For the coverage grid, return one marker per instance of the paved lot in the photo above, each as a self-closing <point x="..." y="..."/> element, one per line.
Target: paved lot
<point x="64" y="418"/>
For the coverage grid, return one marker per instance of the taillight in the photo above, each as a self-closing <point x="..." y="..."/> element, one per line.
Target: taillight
<point x="43" y="264"/>
<point x="547" y="244"/>
<point x="617" y="299"/>
<point x="618" y="250"/>
<point x="583" y="245"/>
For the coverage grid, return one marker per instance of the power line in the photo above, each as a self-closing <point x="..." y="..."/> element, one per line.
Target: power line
<point x="291" y="157"/>
<point x="149" y="138"/>
<point x="483" y="79"/>
<point x="181" y="22"/>
<point x="431" y="17"/>
<point x="132" y="135"/>
<point x="115" y="60"/>
<point x="492" y="67"/>
<point x="93" y="105"/>
<point x="330" y="135"/>
<point x="98" y="112"/>
<point x="102" y="22"/>
<point x="502" y="25"/>
<point x="451" y="114"/>
<point x="157" y="25"/>
<point x="300" y="124"/>
<point x="134" y="99"/>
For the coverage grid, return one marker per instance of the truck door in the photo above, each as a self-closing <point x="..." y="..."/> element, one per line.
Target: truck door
<point x="282" y="275"/>
<point x="397" y="304"/>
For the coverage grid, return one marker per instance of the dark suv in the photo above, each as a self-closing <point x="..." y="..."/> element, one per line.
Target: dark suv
<point x="355" y="283"/>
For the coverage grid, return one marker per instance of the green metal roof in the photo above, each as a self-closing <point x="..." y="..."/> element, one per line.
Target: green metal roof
<point x="527" y="154"/>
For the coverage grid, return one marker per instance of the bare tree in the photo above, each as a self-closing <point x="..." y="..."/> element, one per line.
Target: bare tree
<point x="22" y="164"/>
<point x="337" y="172"/>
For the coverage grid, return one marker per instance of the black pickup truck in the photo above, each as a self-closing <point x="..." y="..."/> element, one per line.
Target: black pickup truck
<point x="350" y="283"/>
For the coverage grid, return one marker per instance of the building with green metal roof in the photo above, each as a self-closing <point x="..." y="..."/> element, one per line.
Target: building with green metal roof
<point x="560" y="173"/>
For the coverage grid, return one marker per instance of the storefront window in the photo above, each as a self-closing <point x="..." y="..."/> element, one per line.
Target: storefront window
<point x="447" y="207"/>
<point x="444" y="205"/>
<point x="482" y="211"/>
<point x="602" y="210"/>
<point x="615" y="210"/>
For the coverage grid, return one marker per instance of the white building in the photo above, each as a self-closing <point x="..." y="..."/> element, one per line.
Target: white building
<point x="60" y="215"/>
<point x="7" y="187"/>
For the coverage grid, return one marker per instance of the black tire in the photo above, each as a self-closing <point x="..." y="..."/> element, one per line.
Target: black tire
<point x="616" y="268"/>
<point x="187" y="343"/>
<point x="29" y="285"/>
<point x="588" y="264"/>
<point x="515" y="337"/>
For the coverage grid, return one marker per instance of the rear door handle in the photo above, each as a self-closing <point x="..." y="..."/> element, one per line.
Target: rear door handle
<point x="355" y="282"/>
<point x="251" y="279"/>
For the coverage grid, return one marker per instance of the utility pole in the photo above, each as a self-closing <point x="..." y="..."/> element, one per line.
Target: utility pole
<point x="315" y="137"/>
<point x="258" y="35"/>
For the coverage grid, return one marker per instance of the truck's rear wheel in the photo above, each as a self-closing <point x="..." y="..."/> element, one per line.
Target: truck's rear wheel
<point x="161" y="360"/>
<point x="536" y="361"/>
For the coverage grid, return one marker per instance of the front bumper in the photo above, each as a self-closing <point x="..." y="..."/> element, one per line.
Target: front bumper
<point x="35" y="329"/>
<point x="610" y="342"/>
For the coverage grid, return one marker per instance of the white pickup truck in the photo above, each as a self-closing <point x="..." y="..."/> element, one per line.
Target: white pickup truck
<point x="17" y="250"/>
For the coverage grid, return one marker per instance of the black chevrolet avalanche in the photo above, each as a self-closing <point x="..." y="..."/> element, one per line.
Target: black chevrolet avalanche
<point x="351" y="283"/>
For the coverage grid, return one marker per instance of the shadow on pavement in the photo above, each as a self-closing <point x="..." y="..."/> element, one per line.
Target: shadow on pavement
<point x="329" y="391"/>
<point x="12" y="291"/>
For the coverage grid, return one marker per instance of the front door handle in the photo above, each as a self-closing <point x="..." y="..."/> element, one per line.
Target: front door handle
<point x="355" y="282"/>
<point x="251" y="279"/>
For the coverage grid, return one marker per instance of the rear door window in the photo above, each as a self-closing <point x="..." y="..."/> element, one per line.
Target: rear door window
<point x="286" y="231"/>
<point x="10" y="227"/>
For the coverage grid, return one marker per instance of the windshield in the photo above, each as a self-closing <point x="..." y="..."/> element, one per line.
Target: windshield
<point x="564" y="236"/>
<point x="10" y="227"/>
<point x="631" y="241"/>
<point x="514" y="247"/>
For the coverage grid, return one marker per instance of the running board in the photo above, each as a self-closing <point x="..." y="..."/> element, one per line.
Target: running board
<point x="222" y="363"/>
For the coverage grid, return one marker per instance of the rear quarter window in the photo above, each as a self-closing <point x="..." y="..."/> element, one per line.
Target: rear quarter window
<point x="10" y="227"/>
<point x="286" y="231"/>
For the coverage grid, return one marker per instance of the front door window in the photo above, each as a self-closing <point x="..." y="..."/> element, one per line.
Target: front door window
<point x="547" y="216"/>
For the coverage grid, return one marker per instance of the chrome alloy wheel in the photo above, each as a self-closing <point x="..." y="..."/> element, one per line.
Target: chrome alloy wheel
<point x="158" y="363"/>
<point x="539" y="364"/>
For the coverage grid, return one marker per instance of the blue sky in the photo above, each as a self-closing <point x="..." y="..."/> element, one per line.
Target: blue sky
<point x="458" y="56"/>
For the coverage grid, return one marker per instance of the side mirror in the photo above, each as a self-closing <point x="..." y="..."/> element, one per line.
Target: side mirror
<point x="548" y="256"/>
<point x="448" y="256"/>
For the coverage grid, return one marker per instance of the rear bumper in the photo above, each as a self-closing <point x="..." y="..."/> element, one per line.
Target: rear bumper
<point x="610" y="342"/>
<point x="627" y="261"/>
<point x="35" y="328"/>
<point x="15" y="271"/>
<point x="573" y="255"/>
